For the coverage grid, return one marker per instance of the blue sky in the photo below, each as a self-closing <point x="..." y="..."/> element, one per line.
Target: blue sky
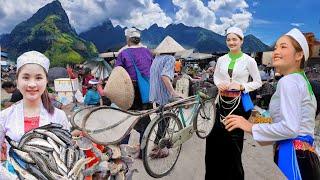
<point x="266" y="19"/>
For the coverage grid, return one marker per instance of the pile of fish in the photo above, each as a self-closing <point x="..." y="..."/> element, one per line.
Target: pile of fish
<point x="115" y="162"/>
<point x="47" y="152"/>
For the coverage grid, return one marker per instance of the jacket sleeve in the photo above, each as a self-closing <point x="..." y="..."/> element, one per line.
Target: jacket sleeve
<point x="290" y="113"/>
<point x="254" y="73"/>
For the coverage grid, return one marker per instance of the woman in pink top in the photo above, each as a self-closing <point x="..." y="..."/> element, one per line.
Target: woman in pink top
<point x="35" y="109"/>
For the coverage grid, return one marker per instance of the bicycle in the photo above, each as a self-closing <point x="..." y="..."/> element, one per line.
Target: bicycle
<point x="107" y="125"/>
<point x="170" y="129"/>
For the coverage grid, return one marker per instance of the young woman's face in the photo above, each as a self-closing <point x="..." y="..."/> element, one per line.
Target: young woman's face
<point x="234" y="43"/>
<point x="284" y="56"/>
<point x="32" y="81"/>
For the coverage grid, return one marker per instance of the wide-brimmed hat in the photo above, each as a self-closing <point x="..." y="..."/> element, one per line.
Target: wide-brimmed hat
<point x="119" y="88"/>
<point x="168" y="45"/>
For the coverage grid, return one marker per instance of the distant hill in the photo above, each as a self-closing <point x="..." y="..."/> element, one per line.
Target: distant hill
<point x="106" y="36"/>
<point x="49" y="31"/>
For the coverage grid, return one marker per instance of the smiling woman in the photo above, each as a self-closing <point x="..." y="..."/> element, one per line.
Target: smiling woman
<point x="35" y="109"/>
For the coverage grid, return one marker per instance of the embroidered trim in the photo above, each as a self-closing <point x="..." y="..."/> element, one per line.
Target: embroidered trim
<point x="304" y="146"/>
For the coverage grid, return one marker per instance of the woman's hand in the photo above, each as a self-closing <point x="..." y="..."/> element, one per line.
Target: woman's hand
<point x="3" y="152"/>
<point x="223" y="86"/>
<point x="234" y="121"/>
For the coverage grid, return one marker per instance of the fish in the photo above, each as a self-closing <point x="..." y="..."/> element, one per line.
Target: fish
<point x="70" y="157"/>
<point x="22" y="172"/>
<point x="63" y="154"/>
<point x="44" y="148"/>
<point x="59" y="162"/>
<point x="49" y="160"/>
<point x="51" y="135"/>
<point x="39" y="142"/>
<point x="63" y="131"/>
<point x="78" y="166"/>
<point x="41" y="165"/>
<point x="29" y="135"/>
<point x="58" y="176"/>
<point x="36" y="172"/>
<point x="24" y="156"/>
<point x="51" y="125"/>
<point x="53" y="144"/>
<point x="64" y="138"/>
<point x="33" y="149"/>
<point x="12" y="142"/>
<point x="19" y="161"/>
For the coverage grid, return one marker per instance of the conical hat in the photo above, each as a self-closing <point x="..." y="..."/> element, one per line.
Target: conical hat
<point x="119" y="88"/>
<point x="168" y="45"/>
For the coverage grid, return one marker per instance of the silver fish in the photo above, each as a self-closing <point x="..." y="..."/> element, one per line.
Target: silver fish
<point x="53" y="144"/>
<point x="39" y="142"/>
<point x="78" y="166"/>
<point x="51" y="125"/>
<point x="12" y="142"/>
<point x="59" y="162"/>
<point x="25" y="174"/>
<point x="29" y="135"/>
<point x="58" y="176"/>
<point x="36" y="172"/>
<point x="24" y="156"/>
<point x="50" y="162"/>
<point x="70" y="157"/>
<point x="63" y="154"/>
<point x="51" y="135"/>
<point x="33" y="149"/>
<point x="41" y="164"/>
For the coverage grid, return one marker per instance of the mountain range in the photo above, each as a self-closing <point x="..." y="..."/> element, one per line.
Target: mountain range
<point x="49" y="31"/>
<point x="107" y="37"/>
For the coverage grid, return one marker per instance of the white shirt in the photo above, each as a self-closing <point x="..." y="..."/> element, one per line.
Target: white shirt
<point x="292" y="109"/>
<point x="244" y="67"/>
<point x="12" y="121"/>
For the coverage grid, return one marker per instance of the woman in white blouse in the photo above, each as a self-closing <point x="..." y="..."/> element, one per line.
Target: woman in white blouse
<point x="223" y="148"/>
<point x="292" y="108"/>
<point x="35" y="109"/>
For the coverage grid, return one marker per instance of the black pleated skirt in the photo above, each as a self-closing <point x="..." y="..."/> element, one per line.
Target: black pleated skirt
<point x="224" y="148"/>
<point x="309" y="164"/>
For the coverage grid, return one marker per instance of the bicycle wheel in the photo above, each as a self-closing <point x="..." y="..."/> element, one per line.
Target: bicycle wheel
<point x="159" y="133"/>
<point x="204" y="121"/>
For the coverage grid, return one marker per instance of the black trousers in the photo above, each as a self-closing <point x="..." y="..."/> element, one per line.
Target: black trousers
<point x="142" y="124"/>
<point x="224" y="148"/>
<point x="309" y="164"/>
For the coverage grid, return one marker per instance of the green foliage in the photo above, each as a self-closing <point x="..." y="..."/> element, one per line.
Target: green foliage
<point x="60" y="47"/>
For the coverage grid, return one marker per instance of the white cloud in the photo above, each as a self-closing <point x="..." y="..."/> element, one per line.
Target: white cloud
<point x="13" y="12"/>
<point x="84" y="14"/>
<point x="194" y="13"/>
<point x="297" y="24"/>
<point x="217" y="16"/>
<point x="255" y="3"/>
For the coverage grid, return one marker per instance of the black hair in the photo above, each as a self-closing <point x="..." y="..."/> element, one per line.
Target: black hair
<point x="7" y="84"/>
<point x="135" y="40"/>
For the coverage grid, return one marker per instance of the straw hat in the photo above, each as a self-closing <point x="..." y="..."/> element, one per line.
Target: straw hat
<point x="119" y="88"/>
<point x="168" y="45"/>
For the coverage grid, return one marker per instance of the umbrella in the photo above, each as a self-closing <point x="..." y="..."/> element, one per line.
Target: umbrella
<point x="57" y="72"/>
<point x="100" y="68"/>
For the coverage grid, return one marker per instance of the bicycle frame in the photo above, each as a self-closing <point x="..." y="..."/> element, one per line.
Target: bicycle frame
<point x="186" y="133"/>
